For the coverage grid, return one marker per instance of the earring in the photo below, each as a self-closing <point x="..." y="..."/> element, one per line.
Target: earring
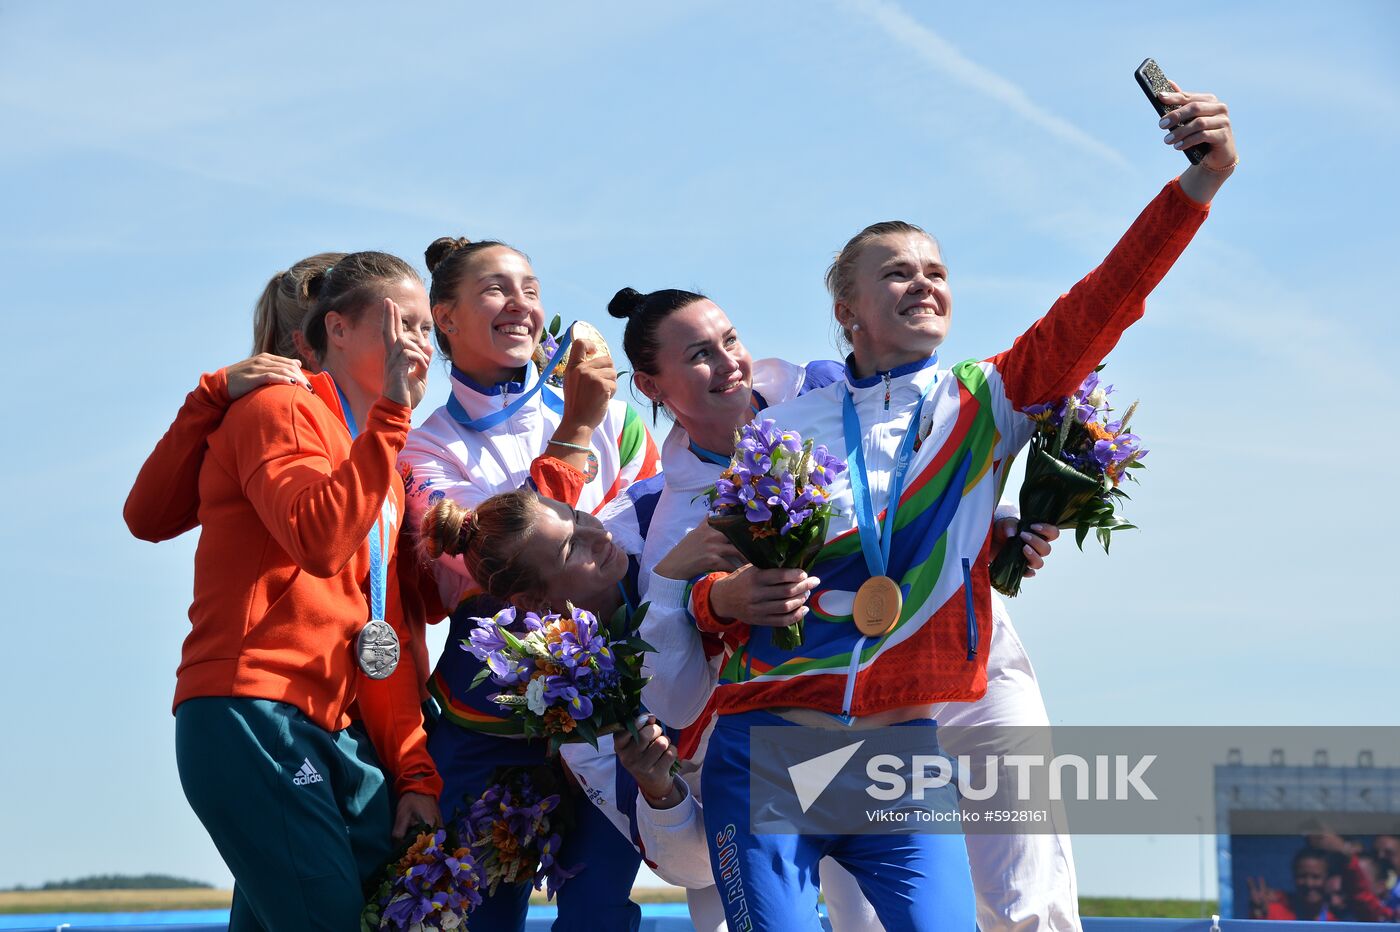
<point x="855" y="328"/>
<point x="656" y="403"/>
<point x="449" y="329"/>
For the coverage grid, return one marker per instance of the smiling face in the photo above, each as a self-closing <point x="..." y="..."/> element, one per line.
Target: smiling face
<point x="900" y="304"/>
<point x="573" y="555"/>
<point x="1310" y="880"/>
<point x="704" y="375"/>
<point x="496" y="318"/>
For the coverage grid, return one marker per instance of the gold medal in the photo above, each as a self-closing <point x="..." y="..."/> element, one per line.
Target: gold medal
<point x="877" y="606"/>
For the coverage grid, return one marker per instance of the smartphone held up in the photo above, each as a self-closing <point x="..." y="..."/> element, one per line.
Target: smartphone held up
<point x="1154" y="84"/>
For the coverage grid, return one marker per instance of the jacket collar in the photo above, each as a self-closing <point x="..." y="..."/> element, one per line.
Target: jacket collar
<point x="479" y="400"/>
<point x="878" y="378"/>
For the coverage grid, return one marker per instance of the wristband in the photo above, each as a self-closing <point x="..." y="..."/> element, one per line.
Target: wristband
<point x="590" y="463"/>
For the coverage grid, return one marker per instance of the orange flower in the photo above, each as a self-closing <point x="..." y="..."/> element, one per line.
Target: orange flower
<point x="1098" y="431"/>
<point x="506" y="845"/>
<point x="760" y="531"/>
<point x="554" y="631"/>
<point x="558" y="722"/>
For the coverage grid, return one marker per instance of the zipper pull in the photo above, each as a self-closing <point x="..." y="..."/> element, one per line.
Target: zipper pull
<point x="887" y="391"/>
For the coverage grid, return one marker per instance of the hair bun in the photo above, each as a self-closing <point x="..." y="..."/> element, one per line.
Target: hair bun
<point x="311" y="287"/>
<point x="626" y="304"/>
<point x="447" y="528"/>
<point x="441" y="248"/>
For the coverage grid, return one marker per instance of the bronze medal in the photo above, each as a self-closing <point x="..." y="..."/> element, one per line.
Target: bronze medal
<point x="877" y="606"/>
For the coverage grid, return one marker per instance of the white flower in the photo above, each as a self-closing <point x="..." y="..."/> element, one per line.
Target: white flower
<point x="450" y="920"/>
<point x="534" y="696"/>
<point x="1097" y="398"/>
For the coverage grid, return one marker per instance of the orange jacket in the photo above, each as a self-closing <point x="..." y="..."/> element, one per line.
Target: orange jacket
<point x="286" y="502"/>
<point x="164" y="501"/>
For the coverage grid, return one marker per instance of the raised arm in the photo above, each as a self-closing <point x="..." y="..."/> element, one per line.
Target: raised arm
<point x="319" y="514"/>
<point x="1050" y="359"/>
<point x="164" y="499"/>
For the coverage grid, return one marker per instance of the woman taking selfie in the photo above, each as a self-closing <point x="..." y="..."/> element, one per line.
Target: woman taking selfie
<point x="930" y="444"/>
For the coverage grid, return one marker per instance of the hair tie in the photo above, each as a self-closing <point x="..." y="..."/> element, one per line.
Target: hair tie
<point x="468" y="531"/>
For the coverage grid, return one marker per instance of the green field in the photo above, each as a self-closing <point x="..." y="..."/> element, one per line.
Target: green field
<point x="132" y="901"/>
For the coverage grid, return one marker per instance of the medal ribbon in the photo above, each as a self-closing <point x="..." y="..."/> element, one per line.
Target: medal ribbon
<point x="877" y="548"/>
<point x="378" y="569"/>
<point x="551" y="398"/>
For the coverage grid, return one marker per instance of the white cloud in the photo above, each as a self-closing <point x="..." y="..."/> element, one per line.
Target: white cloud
<point x="943" y="56"/>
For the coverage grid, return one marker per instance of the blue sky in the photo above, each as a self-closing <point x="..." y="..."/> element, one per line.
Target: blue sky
<point x="160" y="166"/>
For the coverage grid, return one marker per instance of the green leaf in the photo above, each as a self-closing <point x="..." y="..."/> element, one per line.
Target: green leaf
<point x="480" y="677"/>
<point x="554" y="326"/>
<point x="1080" y="533"/>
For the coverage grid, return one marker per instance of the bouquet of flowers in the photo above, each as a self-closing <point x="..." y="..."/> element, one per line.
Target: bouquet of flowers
<point x="434" y="884"/>
<point x="772" y="502"/>
<point x="1078" y="457"/>
<point x="565" y="676"/>
<point x="513" y="826"/>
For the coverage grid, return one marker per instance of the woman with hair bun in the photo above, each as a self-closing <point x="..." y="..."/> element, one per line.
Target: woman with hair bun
<point x="540" y="555"/>
<point x="293" y="620"/>
<point x="504" y="428"/>
<point x="688" y="359"/>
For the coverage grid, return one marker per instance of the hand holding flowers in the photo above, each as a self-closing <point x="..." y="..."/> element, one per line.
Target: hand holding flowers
<point x="434" y="884"/>
<point x="1078" y="457"/>
<point x="772" y="504"/>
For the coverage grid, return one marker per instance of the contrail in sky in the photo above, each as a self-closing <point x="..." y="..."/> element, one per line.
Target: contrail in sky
<point x="943" y="56"/>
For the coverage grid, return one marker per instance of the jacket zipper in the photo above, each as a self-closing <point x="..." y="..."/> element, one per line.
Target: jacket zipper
<point x="846" y="700"/>
<point x="971" y="610"/>
<point x="887" y="391"/>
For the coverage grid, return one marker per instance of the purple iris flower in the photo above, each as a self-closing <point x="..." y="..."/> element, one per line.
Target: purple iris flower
<point x="789" y="440"/>
<point x="485" y="638"/>
<point x="558" y="688"/>
<point x="825" y="467"/>
<point x="755" y="505"/>
<point x="1110" y="453"/>
<point x="506" y="670"/>
<point x="753" y="459"/>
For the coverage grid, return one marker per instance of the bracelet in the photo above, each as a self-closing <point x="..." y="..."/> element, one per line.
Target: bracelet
<point x="1222" y="171"/>
<point x="572" y="446"/>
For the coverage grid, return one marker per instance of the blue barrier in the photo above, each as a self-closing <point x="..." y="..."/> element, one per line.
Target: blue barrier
<point x="541" y="919"/>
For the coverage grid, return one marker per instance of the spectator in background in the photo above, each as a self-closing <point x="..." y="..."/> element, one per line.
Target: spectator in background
<point x="1308" y="899"/>
<point x="1331" y="882"/>
<point x="1387" y="849"/>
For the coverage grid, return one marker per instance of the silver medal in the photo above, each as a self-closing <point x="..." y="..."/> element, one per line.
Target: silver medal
<point x="377" y="649"/>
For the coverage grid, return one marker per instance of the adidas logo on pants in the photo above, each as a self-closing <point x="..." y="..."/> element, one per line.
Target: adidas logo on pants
<point x="307" y="774"/>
